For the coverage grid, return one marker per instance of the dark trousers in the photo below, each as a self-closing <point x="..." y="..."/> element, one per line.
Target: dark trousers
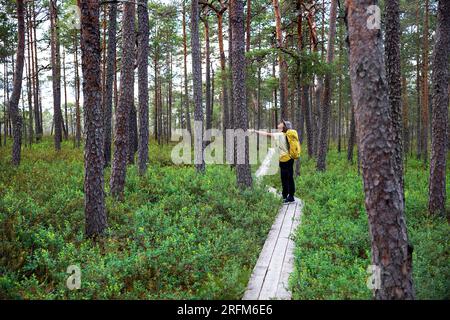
<point x="287" y="179"/>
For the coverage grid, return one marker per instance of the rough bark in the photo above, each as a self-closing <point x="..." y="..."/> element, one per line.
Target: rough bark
<point x="418" y="81"/>
<point x="405" y="118"/>
<point x="282" y="64"/>
<point x="66" y="115"/>
<point x="439" y="111"/>
<point x="109" y="81"/>
<point x="243" y="173"/>
<point x="352" y="135"/>
<point x="132" y="132"/>
<point x="95" y="213"/>
<point x="425" y="90"/>
<point x="393" y="75"/>
<point x="14" y="113"/>
<point x="56" y="74"/>
<point x="225" y="101"/>
<point x="143" y="25"/>
<point x="387" y="223"/>
<point x="77" y="98"/>
<point x="187" y="113"/>
<point x="122" y="112"/>
<point x="326" y="102"/>
<point x="37" y="115"/>
<point x="248" y="26"/>
<point x="208" y="73"/>
<point x="29" y="78"/>
<point x="197" y="85"/>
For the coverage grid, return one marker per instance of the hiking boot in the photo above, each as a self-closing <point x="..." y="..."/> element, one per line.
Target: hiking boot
<point x="290" y="199"/>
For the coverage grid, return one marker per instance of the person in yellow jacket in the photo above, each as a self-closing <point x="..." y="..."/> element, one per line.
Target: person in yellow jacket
<point x="286" y="161"/>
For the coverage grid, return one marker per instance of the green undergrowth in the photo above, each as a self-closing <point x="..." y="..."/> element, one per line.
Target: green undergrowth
<point x="177" y="235"/>
<point x="332" y="249"/>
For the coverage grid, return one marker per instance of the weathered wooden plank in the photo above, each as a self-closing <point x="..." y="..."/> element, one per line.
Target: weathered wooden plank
<point x="255" y="283"/>
<point x="270" y="276"/>
<point x="270" y="286"/>
<point x="260" y="269"/>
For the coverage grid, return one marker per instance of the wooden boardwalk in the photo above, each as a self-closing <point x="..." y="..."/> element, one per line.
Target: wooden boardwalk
<point x="270" y="276"/>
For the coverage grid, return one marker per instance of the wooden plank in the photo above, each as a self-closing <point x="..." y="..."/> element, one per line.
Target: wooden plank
<point x="270" y="276"/>
<point x="260" y="269"/>
<point x="255" y="283"/>
<point x="270" y="286"/>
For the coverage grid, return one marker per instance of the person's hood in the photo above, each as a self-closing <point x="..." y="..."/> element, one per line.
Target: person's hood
<point x="287" y="124"/>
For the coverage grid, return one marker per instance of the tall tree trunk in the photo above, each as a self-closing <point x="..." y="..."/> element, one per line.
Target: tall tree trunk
<point x="243" y="173"/>
<point x="56" y="74"/>
<point x="156" y="122"/>
<point x="282" y="64"/>
<point x="66" y="127"/>
<point x="14" y="112"/>
<point x="94" y="208"/>
<point x="326" y="102"/>
<point x="418" y="82"/>
<point x="77" y="97"/>
<point x="37" y="113"/>
<point x="387" y="223"/>
<point x="439" y="111"/>
<point x="223" y="73"/>
<point x="425" y="90"/>
<point x="187" y="113"/>
<point x="5" y="100"/>
<point x="208" y="73"/>
<point x="132" y="132"/>
<point x="197" y="85"/>
<point x="29" y="78"/>
<point x="405" y="118"/>
<point x="393" y="75"/>
<point x="109" y="81"/>
<point x="248" y="26"/>
<point x="352" y="135"/>
<point x="122" y="112"/>
<point x="299" y="112"/>
<point x="143" y="25"/>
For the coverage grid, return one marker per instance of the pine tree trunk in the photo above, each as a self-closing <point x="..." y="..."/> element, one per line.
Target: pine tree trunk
<point x="14" y="113"/>
<point x="109" y="81"/>
<point x="95" y="212"/>
<point x="197" y="85"/>
<point x="29" y="78"/>
<point x="77" y="97"/>
<point x="425" y="90"/>
<point x="243" y="173"/>
<point x="282" y="64"/>
<point x="439" y="111"/>
<point x="56" y="74"/>
<point x="391" y="252"/>
<point x="393" y="75"/>
<point x="143" y="25"/>
<point x="326" y="102"/>
<point x="225" y="104"/>
<point x="122" y="112"/>
<point x="405" y="118"/>
<point x="37" y="114"/>
<point x="208" y="74"/>
<point x="187" y="113"/>
<point x="352" y="135"/>
<point x="66" y="127"/>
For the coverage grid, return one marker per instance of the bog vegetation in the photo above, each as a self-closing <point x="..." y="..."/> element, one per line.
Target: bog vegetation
<point x="92" y="91"/>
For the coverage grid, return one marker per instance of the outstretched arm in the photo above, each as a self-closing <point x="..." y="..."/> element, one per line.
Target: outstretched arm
<point x="263" y="133"/>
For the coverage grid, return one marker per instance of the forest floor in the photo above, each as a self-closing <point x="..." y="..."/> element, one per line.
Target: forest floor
<point x="180" y="235"/>
<point x="332" y="244"/>
<point x="177" y="235"/>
